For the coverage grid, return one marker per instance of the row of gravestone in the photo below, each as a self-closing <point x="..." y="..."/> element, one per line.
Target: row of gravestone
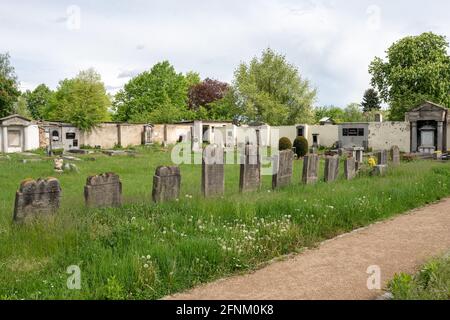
<point x="42" y="197"/>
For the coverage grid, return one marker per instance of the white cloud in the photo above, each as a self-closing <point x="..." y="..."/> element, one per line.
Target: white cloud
<point x="331" y="42"/>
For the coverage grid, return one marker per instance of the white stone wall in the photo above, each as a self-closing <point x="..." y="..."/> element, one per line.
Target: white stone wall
<point x="384" y="135"/>
<point x="328" y="134"/>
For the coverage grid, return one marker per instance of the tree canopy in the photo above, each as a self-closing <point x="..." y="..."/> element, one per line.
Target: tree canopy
<point x="81" y="101"/>
<point x="270" y="89"/>
<point x="416" y="68"/>
<point x="9" y="86"/>
<point x="38" y="101"/>
<point x="371" y="100"/>
<point x="158" y="96"/>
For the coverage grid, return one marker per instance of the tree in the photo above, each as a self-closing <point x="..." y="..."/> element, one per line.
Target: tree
<point x="371" y="100"/>
<point x="271" y="90"/>
<point x="333" y="112"/>
<point x="9" y="91"/>
<point x="81" y="101"/>
<point x="21" y="108"/>
<point x="38" y="101"/>
<point x="207" y="92"/>
<point x="157" y="96"/>
<point x="353" y="113"/>
<point x="416" y="69"/>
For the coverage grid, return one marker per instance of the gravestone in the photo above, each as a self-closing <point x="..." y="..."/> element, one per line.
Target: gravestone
<point x="104" y="190"/>
<point x="350" y="168"/>
<point x="166" y="184"/>
<point x="382" y="157"/>
<point x="58" y="165"/>
<point x="250" y="175"/>
<point x="283" y="168"/>
<point x="310" y="169"/>
<point x="37" y="198"/>
<point x="331" y="168"/>
<point x="395" y="154"/>
<point x="379" y="170"/>
<point x="213" y="173"/>
<point x="358" y="154"/>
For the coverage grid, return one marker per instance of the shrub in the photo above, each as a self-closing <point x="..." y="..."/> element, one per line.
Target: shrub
<point x="58" y="152"/>
<point x="284" y="144"/>
<point x="301" y="146"/>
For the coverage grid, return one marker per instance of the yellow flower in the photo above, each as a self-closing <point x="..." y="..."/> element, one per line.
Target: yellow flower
<point x="372" y="162"/>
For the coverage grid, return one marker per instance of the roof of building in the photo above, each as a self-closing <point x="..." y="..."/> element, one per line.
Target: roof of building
<point x="14" y="116"/>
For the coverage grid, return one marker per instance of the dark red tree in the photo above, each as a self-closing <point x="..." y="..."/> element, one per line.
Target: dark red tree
<point x="206" y="92"/>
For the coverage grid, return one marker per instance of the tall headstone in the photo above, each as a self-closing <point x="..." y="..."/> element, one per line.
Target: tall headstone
<point x="331" y="168"/>
<point x="310" y="168"/>
<point x="37" y="198"/>
<point x="382" y="157"/>
<point x="166" y="184"/>
<point x="250" y="175"/>
<point x="350" y="168"/>
<point x="283" y="168"/>
<point x="395" y="154"/>
<point x="213" y="173"/>
<point x="103" y="190"/>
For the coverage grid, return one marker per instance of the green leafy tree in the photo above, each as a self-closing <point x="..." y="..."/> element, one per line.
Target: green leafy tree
<point x="158" y="96"/>
<point x="416" y="68"/>
<point x="21" y="108"/>
<point x="271" y="90"/>
<point x="38" y="101"/>
<point x="371" y="100"/>
<point x="353" y="113"/>
<point x="333" y="112"/>
<point x="9" y="86"/>
<point x="81" y="101"/>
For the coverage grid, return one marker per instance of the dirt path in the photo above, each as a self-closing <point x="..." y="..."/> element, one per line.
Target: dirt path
<point x="337" y="268"/>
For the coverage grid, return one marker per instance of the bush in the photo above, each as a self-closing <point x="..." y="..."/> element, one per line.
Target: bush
<point x="57" y="152"/>
<point x="284" y="144"/>
<point x="301" y="146"/>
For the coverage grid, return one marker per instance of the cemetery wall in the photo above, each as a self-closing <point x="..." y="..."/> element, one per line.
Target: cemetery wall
<point x="384" y="135"/>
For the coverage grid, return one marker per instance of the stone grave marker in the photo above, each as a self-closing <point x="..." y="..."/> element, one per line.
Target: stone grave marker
<point x="331" y="168"/>
<point x="283" y="168"/>
<point x="37" y="198"/>
<point x="104" y="190"/>
<point x="310" y="168"/>
<point x="166" y="184"/>
<point x="350" y="168"/>
<point x="250" y="175"/>
<point x="213" y="173"/>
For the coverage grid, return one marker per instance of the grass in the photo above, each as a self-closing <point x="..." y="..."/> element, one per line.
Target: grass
<point x="146" y="251"/>
<point x="432" y="282"/>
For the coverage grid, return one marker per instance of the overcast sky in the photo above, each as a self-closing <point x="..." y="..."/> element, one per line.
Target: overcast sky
<point x="330" y="41"/>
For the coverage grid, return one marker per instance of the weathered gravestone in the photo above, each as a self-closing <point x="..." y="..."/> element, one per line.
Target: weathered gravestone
<point x="37" y="198"/>
<point x="283" y="168"/>
<point x="250" y="177"/>
<point x="350" y="168"/>
<point x="310" y="168"/>
<point x="382" y="157"/>
<point x="379" y="170"/>
<point x="331" y="168"/>
<point x="104" y="190"/>
<point x="395" y="154"/>
<point x="213" y="176"/>
<point x="166" y="184"/>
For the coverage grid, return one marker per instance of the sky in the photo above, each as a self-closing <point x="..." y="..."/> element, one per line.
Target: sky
<point x="331" y="42"/>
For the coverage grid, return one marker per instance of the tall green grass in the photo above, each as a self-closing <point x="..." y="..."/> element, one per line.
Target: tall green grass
<point x="146" y="251"/>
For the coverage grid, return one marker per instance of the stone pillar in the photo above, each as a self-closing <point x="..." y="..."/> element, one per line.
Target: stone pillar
<point x="414" y="136"/>
<point x="24" y="139"/>
<point x="5" y="139"/>
<point x="440" y="136"/>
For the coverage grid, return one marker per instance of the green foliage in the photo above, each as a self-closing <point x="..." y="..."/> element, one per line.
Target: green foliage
<point x="416" y="69"/>
<point x="352" y="113"/>
<point x="333" y="112"/>
<point x="301" y="146"/>
<point x="20" y="107"/>
<point x="371" y="100"/>
<point x="432" y="282"/>
<point x="9" y="86"/>
<point x="81" y="101"/>
<point x="38" y="101"/>
<point x="155" y="96"/>
<point x="271" y="90"/>
<point x="284" y="144"/>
